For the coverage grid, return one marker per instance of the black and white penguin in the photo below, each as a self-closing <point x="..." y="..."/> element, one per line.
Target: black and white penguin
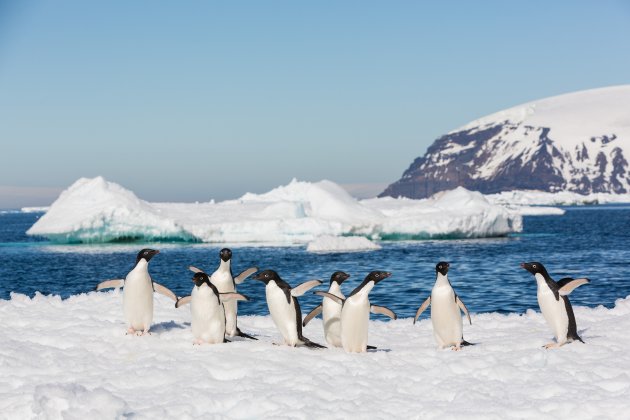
<point x="355" y="313"/>
<point x="331" y="310"/>
<point x="207" y="310"/>
<point x="138" y="288"/>
<point x="554" y="303"/>
<point x="225" y="282"/>
<point x="285" y="308"/>
<point x="445" y="311"/>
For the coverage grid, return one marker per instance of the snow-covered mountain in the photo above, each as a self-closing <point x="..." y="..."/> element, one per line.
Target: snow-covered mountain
<point x="576" y="142"/>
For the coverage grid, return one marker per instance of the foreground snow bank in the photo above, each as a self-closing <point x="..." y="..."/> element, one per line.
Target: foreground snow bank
<point x="95" y="210"/>
<point x="72" y="357"/>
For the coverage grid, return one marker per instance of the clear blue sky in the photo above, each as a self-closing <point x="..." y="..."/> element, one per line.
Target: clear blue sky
<point x="184" y="101"/>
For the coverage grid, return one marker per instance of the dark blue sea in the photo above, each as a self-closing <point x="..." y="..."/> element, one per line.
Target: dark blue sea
<point x="591" y="242"/>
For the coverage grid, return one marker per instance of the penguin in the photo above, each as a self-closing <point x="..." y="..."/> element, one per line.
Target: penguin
<point x="207" y="311"/>
<point x="445" y="311"/>
<point x="554" y="303"/>
<point x="331" y="310"/>
<point x="285" y="308"/>
<point x="355" y="313"/>
<point x="225" y="282"/>
<point x="138" y="288"/>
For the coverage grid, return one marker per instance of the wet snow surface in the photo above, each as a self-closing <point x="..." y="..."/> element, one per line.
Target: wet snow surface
<point x="71" y="359"/>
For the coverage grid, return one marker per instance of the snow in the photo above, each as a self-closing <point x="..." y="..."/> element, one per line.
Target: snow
<point x="70" y="359"/>
<point x="341" y="244"/>
<point x="95" y="210"/>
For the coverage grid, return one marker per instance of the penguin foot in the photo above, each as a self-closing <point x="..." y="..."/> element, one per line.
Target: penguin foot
<point x="552" y="346"/>
<point x="456" y="348"/>
<point x="197" y="342"/>
<point x="130" y="331"/>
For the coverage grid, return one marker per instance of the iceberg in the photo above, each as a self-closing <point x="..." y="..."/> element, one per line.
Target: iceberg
<point x="95" y="210"/>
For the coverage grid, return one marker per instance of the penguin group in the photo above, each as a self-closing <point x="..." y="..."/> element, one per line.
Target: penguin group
<point x="214" y="305"/>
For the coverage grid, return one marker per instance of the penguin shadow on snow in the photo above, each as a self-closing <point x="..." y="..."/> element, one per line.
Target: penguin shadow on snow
<point x="168" y="326"/>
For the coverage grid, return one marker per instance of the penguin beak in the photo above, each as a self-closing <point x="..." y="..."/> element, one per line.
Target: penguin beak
<point x="385" y="275"/>
<point x="259" y="277"/>
<point x="524" y="266"/>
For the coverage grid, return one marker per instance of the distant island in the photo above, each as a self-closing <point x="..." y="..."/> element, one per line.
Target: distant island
<point x="577" y="142"/>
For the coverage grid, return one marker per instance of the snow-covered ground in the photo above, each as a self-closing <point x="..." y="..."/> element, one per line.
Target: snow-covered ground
<point x="95" y="210"/>
<point x="71" y="359"/>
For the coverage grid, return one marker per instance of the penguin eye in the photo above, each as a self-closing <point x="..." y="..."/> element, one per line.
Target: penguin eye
<point x="146" y="252"/>
<point x="378" y="275"/>
<point x="266" y="275"/>
<point x="534" y="265"/>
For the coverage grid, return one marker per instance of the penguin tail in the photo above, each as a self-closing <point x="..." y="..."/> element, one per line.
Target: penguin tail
<point x="242" y="334"/>
<point x="466" y="343"/>
<point x="371" y="347"/>
<point x="312" y="344"/>
<point x="225" y="340"/>
<point x="576" y="337"/>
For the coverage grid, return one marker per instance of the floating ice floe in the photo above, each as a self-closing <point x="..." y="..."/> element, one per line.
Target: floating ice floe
<point x="561" y="198"/>
<point x="71" y="359"/>
<point x="95" y="210"/>
<point x="329" y="244"/>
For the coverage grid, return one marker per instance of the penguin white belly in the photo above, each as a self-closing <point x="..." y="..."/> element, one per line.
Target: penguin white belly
<point x="138" y="298"/>
<point x="207" y="317"/>
<point x="554" y="312"/>
<point x="224" y="283"/>
<point x="331" y="314"/>
<point x="283" y="314"/>
<point x="355" y="315"/>
<point x="446" y="317"/>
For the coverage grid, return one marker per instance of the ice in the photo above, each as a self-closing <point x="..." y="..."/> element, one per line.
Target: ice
<point x="561" y="198"/>
<point x="95" y="210"/>
<point x="43" y="209"/>
<point x="71" y="359"/>
<point x="327" y="244"/>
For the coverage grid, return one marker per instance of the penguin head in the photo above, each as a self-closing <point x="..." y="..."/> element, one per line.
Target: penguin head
<point x="535" y="267"/>
<point x="146" y="254"/>
<point x="225" y="254"/>
<point x="266" y="276"/>
<point x="338" y="277"/>
<point x="377" y="276"/>
<point x="200" y="278"/>
<point x="442" y="267"/>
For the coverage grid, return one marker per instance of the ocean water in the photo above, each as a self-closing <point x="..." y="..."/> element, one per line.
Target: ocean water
<point x="588" y="242"/>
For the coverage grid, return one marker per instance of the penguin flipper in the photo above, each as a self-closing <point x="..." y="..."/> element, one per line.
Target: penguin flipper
<point x="421" y="309"/>
<point x="316" y="311"/>
<point x="195" y="269"/>
<point x="183" y="301"/>
<point x="228" y="296"/>
<point x="243" y="275"/>
<point x="567" y="285"/>
<point x="330" y="296"/>
<point x="375" y="309"/>
<point x="164" y="291"/>
<point x="108" y="284"/>
<point x="463" y="308"/>
<point x="300" y="289"/>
